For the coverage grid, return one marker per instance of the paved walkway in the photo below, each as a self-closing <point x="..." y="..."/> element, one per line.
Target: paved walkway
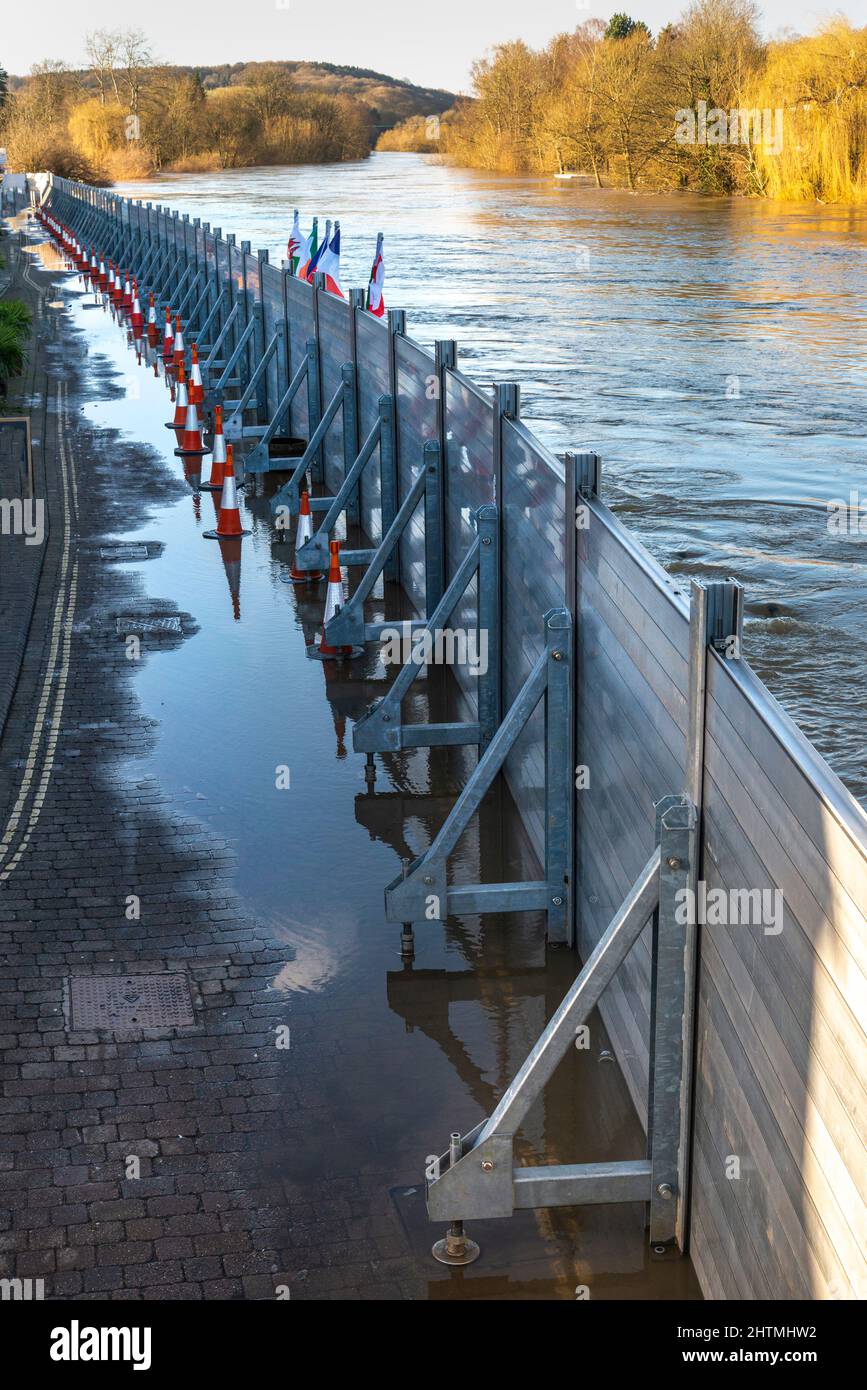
<point x="138" y="1164"/>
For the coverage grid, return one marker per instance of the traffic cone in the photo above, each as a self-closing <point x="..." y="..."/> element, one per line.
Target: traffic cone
<point x="127" y="293"/>
<point x="303" y="533"/>
<point x="153" y="328"/>
<point x="102" y="277"/>
<point x="117" y="294"/>
<point x="229" y="526"/>
<point x="182" y="401"/>
<point x="197" y="389"/>
<point x="191" y="440"/>
<point x="179" y="353"/>
<point x="334" y="600"/>
<point x="136" y="317"/>
<point x="168" y="339"/>
<point x="218" y="452"/>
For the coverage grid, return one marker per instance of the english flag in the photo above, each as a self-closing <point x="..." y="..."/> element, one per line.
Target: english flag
<point x="329" y="263"/>
<point x="375" y="301"/>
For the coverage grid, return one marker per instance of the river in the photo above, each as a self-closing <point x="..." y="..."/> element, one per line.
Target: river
<point x="713" y="351"/>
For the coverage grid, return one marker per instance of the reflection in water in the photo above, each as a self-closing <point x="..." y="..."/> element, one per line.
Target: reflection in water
<point x="711" y="349"/>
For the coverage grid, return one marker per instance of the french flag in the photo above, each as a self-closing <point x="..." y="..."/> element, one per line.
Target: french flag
<point x="375" y="301"/>
<point x="329" y="263"/>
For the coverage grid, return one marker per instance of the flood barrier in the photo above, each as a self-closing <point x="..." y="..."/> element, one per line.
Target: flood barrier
<point x="707" y="863"/>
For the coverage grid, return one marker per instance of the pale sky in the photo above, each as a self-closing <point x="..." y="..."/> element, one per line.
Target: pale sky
<point x="432" y="42"/>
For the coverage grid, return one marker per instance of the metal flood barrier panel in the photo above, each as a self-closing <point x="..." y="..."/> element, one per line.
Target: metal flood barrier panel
<point x="775" y="1192"/>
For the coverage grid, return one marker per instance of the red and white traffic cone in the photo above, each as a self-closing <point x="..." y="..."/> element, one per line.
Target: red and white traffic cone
<point x="303" y="532"/>
<point x="219" y="454"/>
<point x="229" y="526"/>
<point x="127" y="293"/>
<point x="117" y="293"/>
<point x="197" y="388"/>
<point x="102" y="277"/>
<point x="182" y="402"/>
<point x="191" y="440"/>
<point x="179" y="353"/>
<point x="168" y="340"/>
<point x="153" y="327"/>
<point x="136" y="317"/>
<point x="334" y="601"/>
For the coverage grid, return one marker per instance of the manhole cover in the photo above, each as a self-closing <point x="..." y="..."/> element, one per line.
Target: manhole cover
<point x="117" y="1002"/>
<point x="124" y="552"/>
<point x="125" y="626"/>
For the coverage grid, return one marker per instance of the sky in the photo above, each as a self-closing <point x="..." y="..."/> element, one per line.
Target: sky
<point x="431" y="42"/>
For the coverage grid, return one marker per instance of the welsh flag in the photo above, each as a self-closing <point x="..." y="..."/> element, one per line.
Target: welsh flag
<point x="298" y="246"/>
<point x="308" y="251"/>
<point x="375" y="301"/>
<point x="329" y="263"/>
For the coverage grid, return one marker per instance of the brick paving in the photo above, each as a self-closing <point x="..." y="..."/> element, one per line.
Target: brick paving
<point x="205" y="1111"/>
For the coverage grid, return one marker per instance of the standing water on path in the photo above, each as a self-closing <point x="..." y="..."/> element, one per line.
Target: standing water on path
<point x="253" y="739"/>
<point x="713" y="351"/>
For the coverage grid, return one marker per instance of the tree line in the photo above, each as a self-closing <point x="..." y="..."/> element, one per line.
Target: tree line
<point x="705" y="104"/>
<point x="124" y="116"/>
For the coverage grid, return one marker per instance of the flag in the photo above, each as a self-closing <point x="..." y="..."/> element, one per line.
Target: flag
<point x="308" y="251"/>
<point x="319" y="253"/>
<point x="375" y="301"/>
<point x="329" y="263"/>
<point x="298" y="246"/>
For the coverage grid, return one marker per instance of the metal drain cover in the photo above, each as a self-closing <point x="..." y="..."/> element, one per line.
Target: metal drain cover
<point x="124" y="552"/>
<point x="125" y="626"/>
<point x="117" y="1002"/>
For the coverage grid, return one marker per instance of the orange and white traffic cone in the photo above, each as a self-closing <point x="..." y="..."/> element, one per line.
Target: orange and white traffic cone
<point x="334" y="601"/>
<point x="168" y="340"/>
<point x="219" y="454"/>
<point x="229" y="526"/>
<point x="179" y="353"/>
<point x="182" y="402"/>
<point x="102" y="277"/>
<point x="191" y="440"/>
<point x="117" y="293"/>
<point x="303" y="533"/>
<point x="197" y="388"/>
<point x="127" y="293"/>
<point x="153" y="327"/>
